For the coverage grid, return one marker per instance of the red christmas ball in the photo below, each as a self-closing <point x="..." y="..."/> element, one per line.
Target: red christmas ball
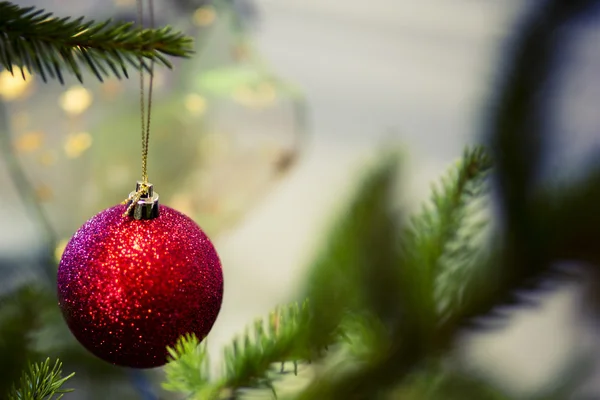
<point x="129" y="288"/>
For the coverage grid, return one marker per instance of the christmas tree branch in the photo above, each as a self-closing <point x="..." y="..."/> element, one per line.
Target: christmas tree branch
<point x="248" y="360"/>
<point x="401" y="298"/>
<point x="518" y="136"/>
<point x="188" y="370"/>
<point x="41" y="382"/>
<point x="34" y="40"/>
<point x="18" y="319"/>
<point x="439" y="242"/>
<point x="531" y="240"/>
<point x="399" y="278"/>
<point x="358" y="255"/>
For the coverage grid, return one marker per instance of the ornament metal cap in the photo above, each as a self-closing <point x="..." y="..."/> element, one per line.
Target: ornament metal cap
<point x="146" y="207"/>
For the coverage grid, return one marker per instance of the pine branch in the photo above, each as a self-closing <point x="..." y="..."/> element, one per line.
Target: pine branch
<point x="531" y="240"/>
<point x="41" y="382"/>
<point x="248" y="361"/>
<point x="518" y="136"/>
<point x="357" y="267"/>
<point x="34" y="40"/>
<point x="410" y="326"/>
<point x="418" y="332"/>
<point x="188" y="370"/>
<point x="574" y="208"/>
<point x="535" y="234"/>
<point x="19" y="318"/>
<point x="440" y="243"/>
<point x="440" y="383"/>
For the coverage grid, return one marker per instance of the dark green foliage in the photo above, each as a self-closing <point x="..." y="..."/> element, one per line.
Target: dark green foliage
<point x="443" y="241"/>
<point x="41" y="382"/>
<point x="188" y="368"/>
<point x="540" y="226"/>
<point x="439" y="383"/>
<point x="517" y="141"/>
<point x="416" y="262"/>
<point x="18" y="317"/>
<point x="576" y="209"/>
<point x="34" y="40"/>
<point x="360" y="249"/>
<point x="391" y="300"/>
<point x="32" y="327"/>
<point x="249" y="360"/>
<point x="372" y="302"/>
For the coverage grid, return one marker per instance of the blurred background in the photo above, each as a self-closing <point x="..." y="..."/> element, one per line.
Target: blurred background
<point x="261" y="135"/>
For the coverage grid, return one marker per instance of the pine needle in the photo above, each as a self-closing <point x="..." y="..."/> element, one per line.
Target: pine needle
<point x="36" y="41"/>
<point x="249" y="360"/>
<point x="41" y="382"/>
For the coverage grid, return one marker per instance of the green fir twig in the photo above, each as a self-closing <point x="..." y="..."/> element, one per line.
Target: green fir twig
<point x="356" y="267"/>
<point x="251" y="357"/>
<point x="409" y="272"/>
<point x="440" y="242"/>
<point x="41" y="382"/>
<point x="188" y="370"/>
<point x="34" y="40"/>
<point x="248" y="363"/>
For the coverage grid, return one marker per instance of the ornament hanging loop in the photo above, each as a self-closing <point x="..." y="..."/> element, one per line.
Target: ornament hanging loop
<point x="143" y="202"/>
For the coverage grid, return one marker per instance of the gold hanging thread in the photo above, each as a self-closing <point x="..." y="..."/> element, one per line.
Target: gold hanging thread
<point x="145" y="118"/>
<point x="143" y="188"/>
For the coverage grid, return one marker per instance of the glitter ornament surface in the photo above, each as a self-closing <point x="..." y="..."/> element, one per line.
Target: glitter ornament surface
<point x="129" y="288"/>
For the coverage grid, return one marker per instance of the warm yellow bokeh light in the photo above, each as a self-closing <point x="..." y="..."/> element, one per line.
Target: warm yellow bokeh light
<point x="60" y="249"/>
<point x="29" y="142"/>
<point x="14" y="86"/>
<point x="75" y="100"/>
<point x="77" y="143"/>
<point x="195" y="104"/>
<point x="204" y="16"/>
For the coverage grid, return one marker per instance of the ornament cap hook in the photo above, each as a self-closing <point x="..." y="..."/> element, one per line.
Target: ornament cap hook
<point x="143" y="202"/>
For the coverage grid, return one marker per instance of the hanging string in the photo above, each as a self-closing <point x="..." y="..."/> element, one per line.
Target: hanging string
<point x="145" y="115"/>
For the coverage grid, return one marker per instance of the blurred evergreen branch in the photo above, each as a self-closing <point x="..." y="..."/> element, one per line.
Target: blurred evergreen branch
<point x="438" y="241"/>
<point x="34" y="40"/>
<point x="41" y="382"/>
<point x="359" y="252"/>
<point x="31" y="328"/>
<point x="249" y="360"/>
<point x="18" y="318"/>
<point x="539" y="226"/>
<point x="397" y="270"/>
<point x="188" y="369"/>
<point x="439" y="383"/>
<point x="250" y="357"/>
<point x="369" y="298"/>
